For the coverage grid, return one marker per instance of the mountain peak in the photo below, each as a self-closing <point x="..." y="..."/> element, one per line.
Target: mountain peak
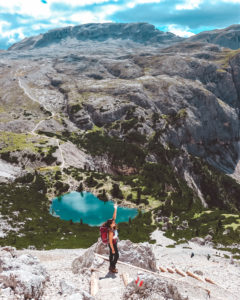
<point x="137" y="32"/>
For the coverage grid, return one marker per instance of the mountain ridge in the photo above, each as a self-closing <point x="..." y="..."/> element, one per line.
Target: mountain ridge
<point x="138" y="32"/>
<point x="143" y="33"/>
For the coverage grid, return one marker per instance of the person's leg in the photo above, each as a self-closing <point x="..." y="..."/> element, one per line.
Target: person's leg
<point x="116" y="255"/>
<point x="111" y="257"/>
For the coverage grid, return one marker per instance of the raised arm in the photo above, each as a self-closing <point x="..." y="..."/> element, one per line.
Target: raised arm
<point x="115" y="211"/>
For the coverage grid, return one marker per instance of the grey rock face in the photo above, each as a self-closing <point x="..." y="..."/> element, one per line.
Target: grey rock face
<point x="87" y="261"/>
<point x="74" y="293"/>
<point x="94" y="79"/>
<point x="198" y="240"/>
<point x="228" y="37"/>
<point x="138" y="32"/>
<point x="23" y="274"/>
<point x="139" y="255"/>
<point x="155" y="288"/>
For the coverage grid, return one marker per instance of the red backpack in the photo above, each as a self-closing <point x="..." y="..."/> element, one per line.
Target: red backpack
<point x="104" y="234"/>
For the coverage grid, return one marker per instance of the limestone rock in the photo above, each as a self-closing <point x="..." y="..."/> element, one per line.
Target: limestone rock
<point x="23" y="274"/>
<point x="139" y="255"/>
<point x="208" y="238"/>
<point x="66" y="288"/>
<point x="71" y="292"/>
<point x="198" y="240"/>
<point x="87" y="261"/>
<point x="155" y="288"/>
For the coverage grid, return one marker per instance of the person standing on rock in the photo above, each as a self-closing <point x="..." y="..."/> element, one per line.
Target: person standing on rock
<point x="112" y="241"/>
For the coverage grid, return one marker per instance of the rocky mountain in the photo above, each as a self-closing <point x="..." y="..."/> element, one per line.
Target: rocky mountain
<point x="228" y="37"/>
<point x="120" y="110"/>
<point x="143" y="33"/>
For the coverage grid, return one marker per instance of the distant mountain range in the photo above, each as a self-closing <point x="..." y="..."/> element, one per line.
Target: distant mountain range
<point x="143" y="33"/>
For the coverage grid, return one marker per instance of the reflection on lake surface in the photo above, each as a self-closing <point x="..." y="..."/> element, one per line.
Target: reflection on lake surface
<point x="88" y="208"/>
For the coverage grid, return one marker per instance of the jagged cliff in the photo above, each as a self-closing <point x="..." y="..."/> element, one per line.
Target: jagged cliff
<point x="125" y="100"/>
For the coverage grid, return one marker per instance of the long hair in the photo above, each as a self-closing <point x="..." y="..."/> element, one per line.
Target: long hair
<point x="108" y="224"/>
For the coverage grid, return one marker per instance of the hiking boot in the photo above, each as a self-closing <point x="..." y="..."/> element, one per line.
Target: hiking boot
<point x="113" y="270"/>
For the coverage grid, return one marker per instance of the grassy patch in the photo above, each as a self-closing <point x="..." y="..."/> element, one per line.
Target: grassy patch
<point x="170" y="246"/>
<point x="10" y="141"/>
<point x="226" y="56"/>
<point x="201" y="223"/>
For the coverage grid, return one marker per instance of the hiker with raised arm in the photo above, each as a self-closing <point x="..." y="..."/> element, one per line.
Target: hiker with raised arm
<point x="109" y="236"/>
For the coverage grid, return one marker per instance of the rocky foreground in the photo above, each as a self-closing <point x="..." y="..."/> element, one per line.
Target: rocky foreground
<point x="82" y="274"/>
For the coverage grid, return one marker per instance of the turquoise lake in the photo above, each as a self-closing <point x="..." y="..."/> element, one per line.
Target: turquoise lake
<point x="76" y="206"/>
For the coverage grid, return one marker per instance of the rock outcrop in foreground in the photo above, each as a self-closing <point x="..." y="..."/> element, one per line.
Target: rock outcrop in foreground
<point x="155" y="288"/>
<point x="21" y="277"/>
<point x="68" y="274"/>
<point x="139" y="255"/>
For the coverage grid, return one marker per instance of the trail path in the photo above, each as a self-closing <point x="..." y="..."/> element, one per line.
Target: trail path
<point x="113" y="284"/>
<point x="36" y="126"/>
<point x="24" y="88"/>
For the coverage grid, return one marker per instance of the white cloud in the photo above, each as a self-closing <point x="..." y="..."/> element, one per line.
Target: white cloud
<point x="42" y="26"/>
<point x="133" y="3"/>
<point x="79" y="2"/>
<point x="189" y="4"/>
<point x="2" y="25"/>
<point x="231" y="1"/>
<point x="84" y="17"/>
<point x="11" y="34"/>
<point x="183" y="32"/>
<point x="106" y="11"/>
<point x="99" y="16"/>
<point x="39" y="10"/>
<point x="34" y="9"/>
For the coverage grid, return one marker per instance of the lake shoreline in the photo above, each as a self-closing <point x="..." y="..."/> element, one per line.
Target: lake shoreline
<point x="85" y="207"/>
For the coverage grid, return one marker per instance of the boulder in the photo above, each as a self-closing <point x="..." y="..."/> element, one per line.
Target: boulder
<point x="198" y="240"/>
<point x="208" y="238"/>
<point x="158" y="288"/>
<point x="139" y="255"/>
<point x="23" y="274"/>
<point x="152" y="288"/>
<point x="68" y="290"/>
<point x="87" y="261"/>
<point x="226" y="231"/>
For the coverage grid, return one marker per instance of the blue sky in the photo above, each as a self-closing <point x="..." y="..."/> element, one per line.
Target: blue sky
<point x="24" y="18"/>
